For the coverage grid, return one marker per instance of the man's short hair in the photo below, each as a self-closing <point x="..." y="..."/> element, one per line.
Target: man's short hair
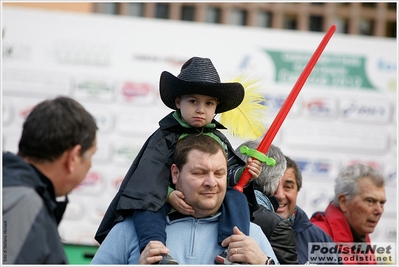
<point x="348" y="178"/>
<point x="201" y="142"/>
<point x="269" y="177"/>
<point x="53" y="127"/>
<point x="297" y="171"/>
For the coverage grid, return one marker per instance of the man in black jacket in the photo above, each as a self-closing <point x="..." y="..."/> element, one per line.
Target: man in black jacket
<point x="305" y="231"/>
<point x="54" y="155"/>
<point x="276" y="228"/>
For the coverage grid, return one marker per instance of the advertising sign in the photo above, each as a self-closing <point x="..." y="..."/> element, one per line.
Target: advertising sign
<point x="346" y="111"/>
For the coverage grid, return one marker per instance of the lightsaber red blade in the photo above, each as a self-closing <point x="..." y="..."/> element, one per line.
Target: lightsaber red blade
<point x="285" y="108"/>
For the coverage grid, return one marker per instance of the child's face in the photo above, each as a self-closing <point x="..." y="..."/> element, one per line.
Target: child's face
<point x="197" y="110"/>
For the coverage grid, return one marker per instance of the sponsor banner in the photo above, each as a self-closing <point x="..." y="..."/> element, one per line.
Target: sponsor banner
<point x="125" y="150"/>
<point x="23" y="82"/>
<point x="103" y="153"/>
<point x="373" y="163"/>
<point x="331" y="70"/>
<point x="67" y="52"/>
<point x="391" y="174"/>
<point x="352" y="253"/>
<point x="141" y="121"/>
<point x="10" y="140"/>
<point x="75" y="211"/>
<point x="275" y="102"/>
<point x="346" y="110"/>
<point x="386" y="231"/>
<point x="7" y="114"/>
<point x="16" y="52"/>
<point x="16" y="110"/>
<point x="333" y="138"/>
<point x="320" y="107"/>
<point x="94" y="89"/>
<point x="136" y="93"/>
<point x="366" y="110"/>
<point x="316" y="167"/>
<point x="92" y="184"/>
<point x="316" y="200"/>
<point x="105" y="117"/>
<point x="125" y="154"/>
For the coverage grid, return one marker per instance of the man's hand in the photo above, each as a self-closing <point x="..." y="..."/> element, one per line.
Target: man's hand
<point x="153" y="252"/>
<point x="176" y="199"/>
<point x="243" y="249"/>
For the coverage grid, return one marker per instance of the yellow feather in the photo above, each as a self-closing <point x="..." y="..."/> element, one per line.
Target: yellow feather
<point x="247" y="121"/>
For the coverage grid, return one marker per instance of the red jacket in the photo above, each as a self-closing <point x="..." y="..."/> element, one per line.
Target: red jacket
<point x="334" y="223"/>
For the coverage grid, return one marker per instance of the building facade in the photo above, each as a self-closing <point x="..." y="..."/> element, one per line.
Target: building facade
<point x="358" y="18"/>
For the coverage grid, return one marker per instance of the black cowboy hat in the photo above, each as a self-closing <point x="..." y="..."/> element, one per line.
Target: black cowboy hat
<point x="199" y="76"/>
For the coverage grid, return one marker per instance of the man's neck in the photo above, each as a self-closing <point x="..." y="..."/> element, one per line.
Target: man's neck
<point x="51" y="170"/>
<point x="357" y="237"/>
<point x="174" y="215"/>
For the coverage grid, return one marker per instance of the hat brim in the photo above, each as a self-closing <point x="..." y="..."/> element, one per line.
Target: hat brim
<point x="229" y="95"/>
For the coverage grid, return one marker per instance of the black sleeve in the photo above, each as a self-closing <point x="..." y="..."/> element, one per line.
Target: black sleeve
<point x="283" y="243"/>
<point x="279" y="233"/>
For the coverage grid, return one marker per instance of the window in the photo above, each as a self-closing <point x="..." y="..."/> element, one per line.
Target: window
<point x="264" y="19"/>
<point x="187" y="13"/>
<point x="392" y="6"/>
<point x="213" y="15"/>
<point x="366" y="27"/>
<point x="391" y="29"/>
<point x="342" y="25"/>
<point x="106" y="8"/>
<point x="135" y="9"/>
<point x="315" y="23"/>
<point x="162" y="11"/>
<point x="238" y="17"/>
<point x="369" y="5"/>
<point x="290" y="22"/>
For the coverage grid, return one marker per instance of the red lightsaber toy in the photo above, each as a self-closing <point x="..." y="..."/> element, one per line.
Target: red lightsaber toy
<point x="282" y="114"/>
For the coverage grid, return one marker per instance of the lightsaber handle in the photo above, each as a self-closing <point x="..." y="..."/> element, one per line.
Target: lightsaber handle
<point x="245" y="177"/>
<point x="283" y="112"/>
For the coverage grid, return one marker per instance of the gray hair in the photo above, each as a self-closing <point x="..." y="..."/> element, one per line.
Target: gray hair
<point x="269" y="177"/>
<point x="348" y="178"/>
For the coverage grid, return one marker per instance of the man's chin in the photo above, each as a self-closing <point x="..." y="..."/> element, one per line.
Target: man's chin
<point x="282" y="212"/>
<point x="202" y="213"/>
<point x="209" y="205"/>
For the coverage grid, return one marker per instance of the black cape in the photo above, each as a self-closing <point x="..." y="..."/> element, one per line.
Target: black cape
<point x="153" y="164"/>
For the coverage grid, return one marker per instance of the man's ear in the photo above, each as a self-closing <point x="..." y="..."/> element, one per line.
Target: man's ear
<point x="175" y="173"/>
<point x="73" y="158"/>
<point x="342" y="202"/>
